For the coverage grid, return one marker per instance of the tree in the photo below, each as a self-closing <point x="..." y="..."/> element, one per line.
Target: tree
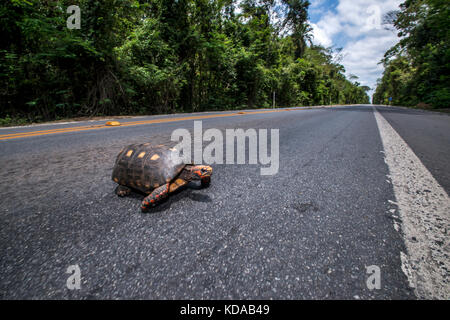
<point x="417" y="69"/>
<point x="162" y="56"/>
<point x="296" y="17"/>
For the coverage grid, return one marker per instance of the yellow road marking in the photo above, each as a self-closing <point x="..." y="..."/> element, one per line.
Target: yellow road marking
<point x="112" y="123"/>
<point x="126" y="124"/>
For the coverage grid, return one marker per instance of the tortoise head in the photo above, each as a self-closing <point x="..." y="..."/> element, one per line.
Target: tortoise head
<point x="199" y="172"/>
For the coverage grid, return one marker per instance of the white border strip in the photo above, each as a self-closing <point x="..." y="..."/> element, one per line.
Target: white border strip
<point x="424" y="208"/>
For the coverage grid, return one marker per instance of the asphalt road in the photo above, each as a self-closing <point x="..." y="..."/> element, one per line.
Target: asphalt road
<point x="308" y="232"/>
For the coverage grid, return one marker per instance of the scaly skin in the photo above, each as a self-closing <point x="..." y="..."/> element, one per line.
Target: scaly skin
<point x="155" y="197"/>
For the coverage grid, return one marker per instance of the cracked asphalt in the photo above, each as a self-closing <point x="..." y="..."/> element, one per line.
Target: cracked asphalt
<point x="308" y="232"/>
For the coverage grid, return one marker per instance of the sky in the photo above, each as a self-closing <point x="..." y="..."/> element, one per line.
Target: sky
<point x="356" y="27"/>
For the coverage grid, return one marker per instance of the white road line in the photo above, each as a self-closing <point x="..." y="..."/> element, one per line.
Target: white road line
<point x="424" y="208"/>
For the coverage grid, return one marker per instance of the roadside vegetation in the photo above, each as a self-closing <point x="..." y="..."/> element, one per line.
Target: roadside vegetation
<point x="417" y="69"/>
<point x="162" y="56"/>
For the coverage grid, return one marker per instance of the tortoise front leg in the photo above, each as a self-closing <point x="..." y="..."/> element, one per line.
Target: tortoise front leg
<point x="205" y="182"/>
<point x="155" y="197"/>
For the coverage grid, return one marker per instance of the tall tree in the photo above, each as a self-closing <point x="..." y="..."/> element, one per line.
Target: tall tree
<point x="417" y="69"/>
<point x="296" y="17"/>
<point x="161" y="56"/>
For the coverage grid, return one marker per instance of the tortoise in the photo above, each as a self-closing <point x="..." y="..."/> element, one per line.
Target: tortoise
<point x="155" y="170"/>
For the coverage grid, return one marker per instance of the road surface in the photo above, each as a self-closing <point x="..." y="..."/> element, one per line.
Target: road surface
<point x="336" y="206"/>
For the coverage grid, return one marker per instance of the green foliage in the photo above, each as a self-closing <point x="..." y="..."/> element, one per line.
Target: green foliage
<point x="162" y="56"/>
<point x="417" y="70"/>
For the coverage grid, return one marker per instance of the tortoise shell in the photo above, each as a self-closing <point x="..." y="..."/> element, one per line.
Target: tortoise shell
<point x="145" y="166"/>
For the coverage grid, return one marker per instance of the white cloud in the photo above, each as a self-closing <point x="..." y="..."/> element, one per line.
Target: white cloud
<point x="320" y="36"/>
<point x="316" y="3"/>
<point x="356" y="25"/>
<point x="361" y="57"/>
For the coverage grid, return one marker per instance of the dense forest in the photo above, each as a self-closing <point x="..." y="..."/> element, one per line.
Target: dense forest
<point x="417" y="69"/>
<point x="163" y="56"/>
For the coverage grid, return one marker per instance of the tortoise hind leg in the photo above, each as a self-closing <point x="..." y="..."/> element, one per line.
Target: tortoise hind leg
<point x="122" y="191"/>
<point x="155" y="197"/>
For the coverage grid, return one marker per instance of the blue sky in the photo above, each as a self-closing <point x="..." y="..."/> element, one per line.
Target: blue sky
<point x="356" y="26"/>
<point x="318" y="7"/>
